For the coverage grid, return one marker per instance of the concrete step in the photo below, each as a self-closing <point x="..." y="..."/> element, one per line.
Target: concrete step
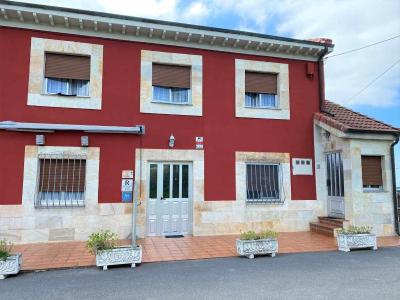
<point x="321" y="229"/>
<point x="331" y="221"/>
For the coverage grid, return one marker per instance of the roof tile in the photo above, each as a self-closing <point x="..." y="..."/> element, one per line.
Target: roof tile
<point x="346" y="120"/>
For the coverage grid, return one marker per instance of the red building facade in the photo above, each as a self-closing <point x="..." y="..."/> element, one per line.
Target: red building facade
<point x="243" y="154"/>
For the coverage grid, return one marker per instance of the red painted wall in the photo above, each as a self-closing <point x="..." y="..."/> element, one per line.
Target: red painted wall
<point x="223" y="133"/>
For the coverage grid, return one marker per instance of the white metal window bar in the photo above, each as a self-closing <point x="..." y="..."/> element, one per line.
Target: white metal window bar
<point x="263" y="183"/>
<point x="334" y="165"/>
<point x="61" y="180"/>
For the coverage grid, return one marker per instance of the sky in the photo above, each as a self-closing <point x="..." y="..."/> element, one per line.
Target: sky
<point x="350" y="24"/>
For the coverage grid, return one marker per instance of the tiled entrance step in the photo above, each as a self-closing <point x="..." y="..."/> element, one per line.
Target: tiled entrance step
<point x="326" y="225"/>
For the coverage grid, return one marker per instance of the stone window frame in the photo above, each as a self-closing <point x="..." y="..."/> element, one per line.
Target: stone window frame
<point x="31" y="175"/>
<point x="36" y="93"/>
<point x="148" y="105"/>
<point x="384" y="187"/>
<point x="281" y="112"/>
<point x="244" y="158"/>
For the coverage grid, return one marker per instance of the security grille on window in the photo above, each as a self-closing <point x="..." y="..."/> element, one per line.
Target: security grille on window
<point x="261" y="90"/>
<point x="62" y="179"/>
<point x="171" y="83"/>
<point x="263" y="183"/>
<point x="372" y="172"/>
<point x="67" y="75"/>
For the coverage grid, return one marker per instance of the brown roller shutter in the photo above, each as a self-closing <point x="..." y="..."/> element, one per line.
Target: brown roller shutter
<point x="62" y="175"/>
<point x="171" y="76"/>
<point x="261" y="83"/>
<point x="371" y="170"/>
<point x="67" y="66"/>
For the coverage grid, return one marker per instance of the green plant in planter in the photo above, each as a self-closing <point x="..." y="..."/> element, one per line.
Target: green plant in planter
<point x="102" y="240"/>
<point x="252" y="235"/>
<point x="5" y="249"/>
<point x="356" y="230"/>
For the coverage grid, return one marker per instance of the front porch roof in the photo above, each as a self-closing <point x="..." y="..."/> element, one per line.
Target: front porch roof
<point x="348" y="121"/>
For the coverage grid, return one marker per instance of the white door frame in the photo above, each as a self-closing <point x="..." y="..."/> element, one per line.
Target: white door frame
<point x="157" y="221"/>
<point x="335" y="184"/>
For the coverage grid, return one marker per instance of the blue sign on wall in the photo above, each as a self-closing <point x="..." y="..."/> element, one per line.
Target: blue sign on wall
<point x="126" y="196"/>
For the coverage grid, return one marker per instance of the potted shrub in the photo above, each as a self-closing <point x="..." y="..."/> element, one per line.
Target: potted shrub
<point x="355" y="238"/>
<point x="9" y="263"/>
<point x="104" y="245"/>
<point x="251" y="243"/>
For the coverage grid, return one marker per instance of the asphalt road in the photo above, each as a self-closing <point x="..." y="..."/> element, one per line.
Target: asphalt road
<point x="328" y="275"/>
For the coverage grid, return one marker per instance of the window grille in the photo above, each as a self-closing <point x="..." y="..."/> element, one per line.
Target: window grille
<point x="263" y="183"/>
<point x="334" y="172"/>
<point x="62" y="180"/>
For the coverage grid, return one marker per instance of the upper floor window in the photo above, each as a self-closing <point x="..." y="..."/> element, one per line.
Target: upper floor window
<point x="67" y="75"/>
<point x="171" y="84"/>
<point x="261" y="90"/>
<point x="372" y="172"/>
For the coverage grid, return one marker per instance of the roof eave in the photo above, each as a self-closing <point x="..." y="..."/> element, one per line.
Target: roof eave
<point x="89" y="23"/>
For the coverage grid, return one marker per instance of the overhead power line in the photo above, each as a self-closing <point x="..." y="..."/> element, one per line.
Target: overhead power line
<point x="361" y="48"/>
<point x="372" y="81"/>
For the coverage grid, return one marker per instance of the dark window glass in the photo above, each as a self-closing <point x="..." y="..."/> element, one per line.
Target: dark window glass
<point x="175" y="181"/>
<point x="166" y="180"/>
<point x="153" y="181"/>
<point x="185" y="181"/>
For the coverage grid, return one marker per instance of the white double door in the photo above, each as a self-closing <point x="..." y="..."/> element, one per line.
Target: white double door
<point x="169" y="208"/>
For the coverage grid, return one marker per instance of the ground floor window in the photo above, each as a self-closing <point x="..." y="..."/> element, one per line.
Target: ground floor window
<point x="372" y="172"/>
<point x="263" y="183"/>
<point x="62" y="180"/>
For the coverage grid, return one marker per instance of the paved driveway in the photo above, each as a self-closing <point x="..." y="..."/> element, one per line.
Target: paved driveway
<point x="326" y="275"/>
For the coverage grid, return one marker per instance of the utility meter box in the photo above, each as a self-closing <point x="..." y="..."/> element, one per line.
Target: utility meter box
<point x="302" y="166"/>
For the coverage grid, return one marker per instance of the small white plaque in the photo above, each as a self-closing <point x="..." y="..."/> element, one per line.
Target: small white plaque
<point x="127" y="174"/>
<point x="199" y="139"/>
<point x="127" y="185"/>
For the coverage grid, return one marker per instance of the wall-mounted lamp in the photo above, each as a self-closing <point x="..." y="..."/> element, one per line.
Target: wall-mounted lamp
<point x="171" y="141"/>
<point x="40" y="140"/>
<point x="327" y="135"/>
<point x="84" y="141"/>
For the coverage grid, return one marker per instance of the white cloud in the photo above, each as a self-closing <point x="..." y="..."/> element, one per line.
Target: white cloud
<point x="351" y="24"/>
<point x="195" y="12"/>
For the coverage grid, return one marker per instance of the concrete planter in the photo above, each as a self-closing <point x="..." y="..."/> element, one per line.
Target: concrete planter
<point x="11" y="266"/>
<point x="250" y="248"/>
<point x="346" y="242"/>
<point x="119" y="256"/>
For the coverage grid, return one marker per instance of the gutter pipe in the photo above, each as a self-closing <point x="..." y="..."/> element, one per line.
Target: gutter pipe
<point x="395" y="202"/>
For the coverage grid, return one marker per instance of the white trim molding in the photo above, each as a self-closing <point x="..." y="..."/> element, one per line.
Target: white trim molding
<point x="282" y="70"/>
<point x="36" y="94"/>
<point x="147" y="105"/>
